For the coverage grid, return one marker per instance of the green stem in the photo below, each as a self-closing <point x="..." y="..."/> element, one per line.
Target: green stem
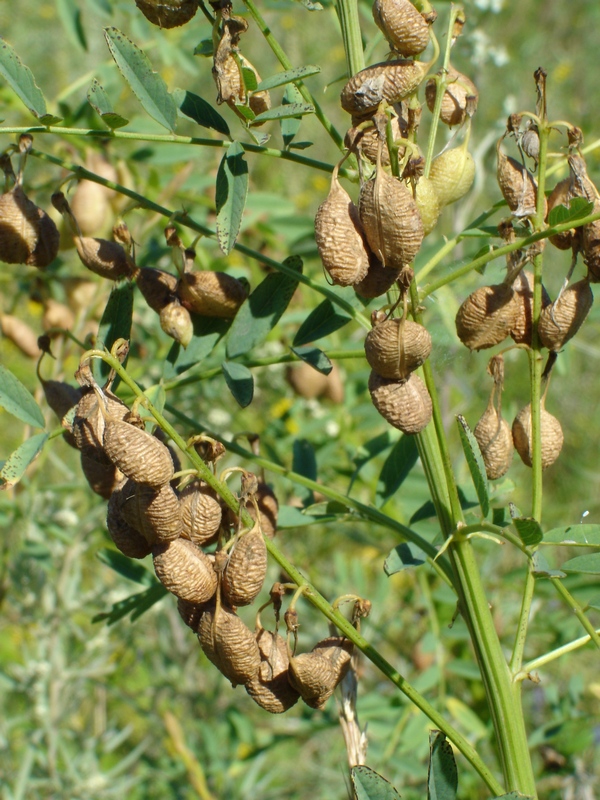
<point x="576" y="608"/>
<point x="476" y="527"/>
<point x="351" y="35"/>
<point x="434" y="622"/>
<point x="541" y="661"/>
<point x="516" y="660"/>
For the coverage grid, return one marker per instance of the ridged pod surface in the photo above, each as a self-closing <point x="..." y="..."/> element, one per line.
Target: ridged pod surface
<point x="200" y="513"/>
<point x="184" y="570"/>
<point x="454" y="103"/>
<point x="367" y="141"/>
<point x="402" y="25"/>
<point x="271" y="688"/>
<point x="157" y="286"/>
<point x="452" y="174"/>
<point x="391" y="220"/>
<point x="168" y="14"/>
<point x="27" y="234"/>
<point x="523" y="327"/>
<point x="494" y="438"/>
<point x="391" y="81"/>
<point x="139" y="455"/>
<point x="103" y="479"/>
<point x="339" y="237"/>
<point x="487" y="316"/>
<point x="268" y="508"/>
<point x="246" y="569"/>
<point x="551" y="436"/>
<point x="428" y="203"/>
<point x="105" y="258"/>
<point x="176" y="322"/>
<point x="314" y="677"/>
<point x="394" y="348"/>
<point x="191" y="613"/>
<point x="88" y="424"/>
<point x="517" y="184"/>
<point x="155" y="513"/>
<point x="129" y="541"/>
<point x="338" y="651"/>
<point x="211" y="294"/>
<point x="406" y="405"/>
<point x="561" y="321"/>
<point x="378" y="280"/>
<point x="229" y="645"/>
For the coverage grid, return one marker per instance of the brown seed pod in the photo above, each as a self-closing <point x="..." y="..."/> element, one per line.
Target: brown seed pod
<point x="428" y="204"/>
<point x="155" y="513"/>
<point x="201" y="513"/>
<point x="245" y="569"/>
<point x="139" y="455"/>
<point x="591" y="248"/>
<point x="268" y="509"/>
<point x="406" y="405"/>
<point x="517" y="184"/>
<point x="61" y="397"/>
<point x="103" y="257"/>
<point x="103" y="479"/>
<point x="391" y="81"/>
<point x="230" y="645"/>
<point x="129" y="541"/>
<point x="91" y="201"/>
<point x="20" y="334"/>
<point x="339" y="237"/>
<point x="338" y="650"/>
<point x="551" y="436"/>
<point x="452" y="174"/>
<point x="560" y="321"/>
<point x="169" y="14"/>
<point x="57" y="315"/>
<point x="460" y="97"/>
<point x="27" y="234"/>
<point x="578" y="184"/>
<point x="402" y="25"/>
<point x="523" y="326"/>
<point x="378" y="280"/>
<point x="314" y="676"/>
<point x="494" y="438"/>
<point x="396" y="347"/>
<point x="88" y="423"/>
<point x="191" y="613"/>
<point x="157" y="286"/>
<point x="271" y="688"/>
<point x="176" y="322"/>
<point x="391" y="220"/>
<point x="487" y="316"/>
<point x="366" y="141"/>
<point x="184" y="570"/>
<point x="309" y="383"/>
<point x="211" y="294"/>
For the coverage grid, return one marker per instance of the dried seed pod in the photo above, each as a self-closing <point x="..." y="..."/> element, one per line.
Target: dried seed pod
<point x="561" y="196"/>
<point x="19" y="333"/>
<point x="338" y="650"/>
<point x="201" y="513"/>
<point x="258" y="101"/>
<point x="591" y="248"/>
<point x="560" y="321"/>
<point x="460" y="97"/>
<point x="103" y="257"/>
<point x="61" y="397"/>
<point x="523" y="326"/>
<point x="271" y="688"/>
<point x="27" y="234"/>
<point x="494" y="438"/>
<point x="391" y="220"/>
<point x="191" y="613"/>
<point x="176" y="322"/>
<point x="551" y="436"/>
<point x="402" y="25"/>
<point x="517" y="184"/>
<point x="396" y="347"/>
<point x="88" y="423"/>
<point x="452" y="174"/>
<point x="487" y="316"/>
<point x="309" y="383"/>
<point x="91" y="201"/>
<point x="378" y="279"/>
<point x="129" y="541"/>
<point x="211" y="294"/>
<point x="245" y="570"/>
<point x="169" y="14"/>
<point x="406" y="405"/>
<point x="428" y="204"/>
<point x="268" y="509"/>
<point x="157" y="286"/>
<point x="139" y="455"/>
<point x="314" y="676"/>
<point x="366" y="141"/>
<point x="155" y="513"/>
<point x="103" y="479"/>
<point x="57" y="315"/>
<point x="339" y="237"/>
<point x="230" y="645"/>
<point x="391" y="81"/>
<point x="184" y="570"/>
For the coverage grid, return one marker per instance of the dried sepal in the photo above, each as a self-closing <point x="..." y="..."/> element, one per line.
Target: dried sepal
<point x="406" y="405"/>
<point x="184" y="570"/>
<point x="560" y="321"/>
<point x="487" y="316"/>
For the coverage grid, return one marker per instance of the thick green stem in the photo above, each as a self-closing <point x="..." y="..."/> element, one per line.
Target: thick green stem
<point x="351" y="35"/>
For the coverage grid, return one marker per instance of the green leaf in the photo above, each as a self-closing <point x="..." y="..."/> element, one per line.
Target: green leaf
<point x="99" y="101"/>
<point x="147" y="85"/>
<point x="197" y="108"/>
<point x="15" y="399"/>
<point x="594" y="603"/>
<point x="70" y="16"/>
<point x="574" y="535"/>
<point x="578" y="208"/>
<point x="529" y="530"/>
<point x="584" y="565"/>
<point x="134" y="605"/>
<point x="205" y="48"/>
<point x="127" y="567"/>
<point x="262" y="310"/>
<point x="292" y="517"/>
<point x="284" y="112"/>
<point x="115" y="324"/>
<point x="290" y="127"/>
<point x="475" y="462"/>
<point x="513" y="796"/>
<point x="314" y="357"/>
<point x="323" y="320"/>
<point x="541" y="568"/>
<point x="22" y="82"/>
<point x="15" y="465"/>
<point x="311" y="5"/>
<point x="240" y="382"/>
<point x="288" y="76"/>
<point x="442" y="778"/>
<point x="231" y="191"/>
<point x="207" y="333"/>
<point x="369" y="785"/>
<point x="249" y="78"/>
<point x="304" y="460"/>
<point x="396" y="468"/>
<point x="403" y="556"/>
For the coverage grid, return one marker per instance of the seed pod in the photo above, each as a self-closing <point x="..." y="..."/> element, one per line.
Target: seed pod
<point x="139" y="455"/>
<point x="27" y="234"/>
<point x="211" y="294"/>
<point x="268" y="509"/>
<point x="88" y="424"/>
<point x="200" y="513"/>
<point x="169" y="14"/>
<point x="176" y="322"/>
<point x="367" y="141"/>
<point x="314" y="677"/>
<point x="57" y="315"/>
<point x="494" y="438"/>
<point x="157" y="286"/>
<point x="19" y="333"/>
<point x="452" y="174"/>
<point x="487" y="316"/>
<point x="61" y="397"/>
<point x="561" y="321"/>
<point x="391" y="81"/>
<point x="309" y="383"/>
<point x="184" y="570"/>
<point x="338" y="650"/>
<point x="378" y="279"/>
<point x="591" y="248"/>
<point x="339" y="237"/>
<point x="396" y="347"/>
<point x="155" y="513"/>
<point x="258" y="101"/>
<point x="428" y="204"/>
<point x="191" y="613"/>
<point x="230" y="645"/>
<point x="391" y="220"/>
<point x="103" y="479"/>
<point x="91" y="201"/>
<point x="271" y="688"/>
<point x="103" y="257"/>
<point x="517" y="184"/>
<point x="129" y="541"/>
<point x="523" y="326"/>
<point x="245" y="570"/>
<point x="460" y="97"/>
<point x="402" y="25"/>
<point x="551" y="436"/>
<point x="406" y="405"/>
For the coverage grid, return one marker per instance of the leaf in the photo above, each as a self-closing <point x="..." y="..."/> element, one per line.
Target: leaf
<point x="584" y="565"/>
<point x="529" y="530"/>
<point x="98" y="99"/>
<point x="198" y="109"/>
<point x="314" y="357"/>
<point x="205" y="48"/>
<point x="574" y="535"/>
<point x="70" y="17"/>
<point x="115" y="324"/>
<point x="290" y="127"/>
<point x="249" y="78"/>
<point x="369" y="785"/>
<point x="147" y="85"/>
<point x="15" y="399"/>
<point x="475" y="463"/>
<point x="16" y="464"/>
<point x="442" y="777"/>
<point x="427" y="510"/>
<point x="311" y="5"/>
<point x="513" y="796"/>
<point x="578" y="208"/>
<point x="541" y="568"/>
<point x="288" y="76"/>
<point x="292" y="517"/>
<point x="231" y="191"/>
<point x="134" y="605"/>
<point x="127" y="567"/>
<point x="262" y="310"/>
<point x="284" y="112"/>
<point x="323" y="320"/>
<point x="21" y="80"/>
<point x="207" y="333"/>
<point x="304" y="461"/>
<point x="403" y="556"/>
<point x="396" y="468"/>
<point x="240" y="382"/>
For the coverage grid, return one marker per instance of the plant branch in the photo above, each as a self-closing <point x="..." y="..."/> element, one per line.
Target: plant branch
<point x="351" y="35"/>
<point x="577" y="609"/>
<point x="547" y="658"/>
